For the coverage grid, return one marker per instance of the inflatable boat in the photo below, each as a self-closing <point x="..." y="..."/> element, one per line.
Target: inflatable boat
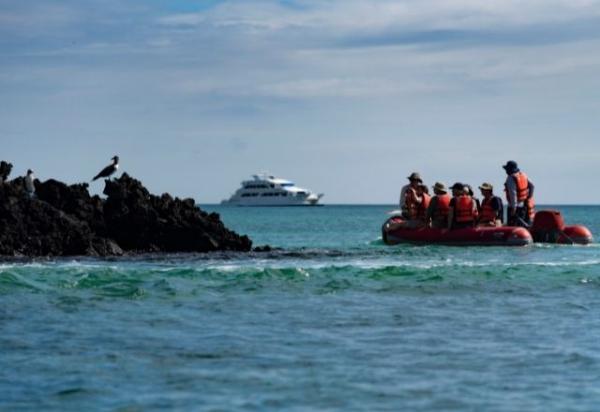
<point x="548" y="226"/>
<point x="395" y="231"/>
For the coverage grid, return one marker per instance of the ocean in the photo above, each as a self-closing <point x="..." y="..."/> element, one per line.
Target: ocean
<point x="330" y="320"/>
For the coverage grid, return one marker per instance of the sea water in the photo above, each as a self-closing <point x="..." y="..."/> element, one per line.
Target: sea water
<point x="331" y="320"/>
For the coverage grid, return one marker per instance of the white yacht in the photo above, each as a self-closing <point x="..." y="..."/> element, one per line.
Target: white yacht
<point x="266" y="190"/>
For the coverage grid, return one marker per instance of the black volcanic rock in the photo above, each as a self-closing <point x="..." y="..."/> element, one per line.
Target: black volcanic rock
<point x="65" y="220"/>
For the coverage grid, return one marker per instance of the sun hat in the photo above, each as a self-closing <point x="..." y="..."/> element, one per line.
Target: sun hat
<point x="415" y="176"/>
<point x="440" y="187"/>
<point x="486" y="186"/>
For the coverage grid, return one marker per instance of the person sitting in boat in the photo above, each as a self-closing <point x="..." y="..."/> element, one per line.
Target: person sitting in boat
<point x="491" y="211"/>
<point x="439" y="206"/>
<point x="409" y="200"/>
<point x="469" y="191"/>
<point x="421" y="211"/>
<point x="519" y="194"/>
<point x="463" y="209"/>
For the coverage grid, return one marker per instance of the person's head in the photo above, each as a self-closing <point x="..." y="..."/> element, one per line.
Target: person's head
<point x="415" y="179"/>
<point x="29" y="172"/>
<point x="422" y="189"/>
<point x="511" y="167"/>
<point x="487" y="190"/>
<point x="439" y="188"/>
<point x="469" y="190"/>
<point x="458" y="189"/>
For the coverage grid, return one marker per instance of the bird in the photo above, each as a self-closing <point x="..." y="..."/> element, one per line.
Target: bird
<point x="30" y="183"/>
<point x="108" y="170"/>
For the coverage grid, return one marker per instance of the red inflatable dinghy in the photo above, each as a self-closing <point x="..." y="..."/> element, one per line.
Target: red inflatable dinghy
<point x="394" y="232"/>
<point x="548" y="227"/>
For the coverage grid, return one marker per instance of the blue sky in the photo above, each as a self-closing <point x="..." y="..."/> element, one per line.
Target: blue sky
<point x="345" y="97"/>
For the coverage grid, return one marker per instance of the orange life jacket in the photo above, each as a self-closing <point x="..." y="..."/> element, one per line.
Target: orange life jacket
<point x="442" y="207"/>
<point x="411" y="203"/>
<point x="522" y="186"/>
<point x="522" y="183"/>
<point x="488" y="213"/>
<point x="422" y="208"/>
<point x="463" y="209"/>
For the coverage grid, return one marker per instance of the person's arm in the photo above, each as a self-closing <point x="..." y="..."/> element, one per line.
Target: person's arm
<point x="499" y="208"/>
<point x="531" y="187"/>
<point x="451" y="213"/>
<point x="402" y="197"/>
<point x="511" y="194"/>
<point x="430" y="209"/>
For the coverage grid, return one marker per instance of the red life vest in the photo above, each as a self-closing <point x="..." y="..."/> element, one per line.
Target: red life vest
<point x="411" y="203"/>
<point x="522" y="186"/>
<point x="422" y="208"/>
<point x="522" y="183"/>
<point x="463" y="209"/>
<point x="488" y="213"/>
<point x="442" y="207"/>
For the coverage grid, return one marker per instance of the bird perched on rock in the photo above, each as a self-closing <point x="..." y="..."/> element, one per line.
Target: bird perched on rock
<point x="108" y="170"/>
<point x="30" y="183"/>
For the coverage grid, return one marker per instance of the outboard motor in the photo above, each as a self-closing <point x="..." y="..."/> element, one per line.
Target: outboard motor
<point x="549" y="227"/>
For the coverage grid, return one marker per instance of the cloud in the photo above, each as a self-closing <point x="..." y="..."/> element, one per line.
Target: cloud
<point x="344" y="17"/>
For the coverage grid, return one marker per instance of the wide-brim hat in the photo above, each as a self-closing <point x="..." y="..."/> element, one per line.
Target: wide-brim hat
<point x="486" y="186"/>
<point x="511" y="166"/>
<point x="440" y="187"/>
<point x="415" y="176"/>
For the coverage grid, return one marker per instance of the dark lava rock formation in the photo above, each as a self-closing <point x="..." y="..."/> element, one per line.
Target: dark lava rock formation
<point x="65" y="220"/>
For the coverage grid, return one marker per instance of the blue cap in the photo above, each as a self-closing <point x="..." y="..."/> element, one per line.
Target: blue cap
<point x="511" y="166"/>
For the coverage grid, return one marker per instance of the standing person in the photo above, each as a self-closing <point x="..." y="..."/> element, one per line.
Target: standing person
<point x="29" y="185"/>
<point x="409" y="200"/>
<point x="491" y="211"/>
<point x="439" y="206"/>
<point x="519" y="194"/>
<point x="463" y="209"/>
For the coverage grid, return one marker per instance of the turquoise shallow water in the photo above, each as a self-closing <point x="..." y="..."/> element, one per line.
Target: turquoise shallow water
<point x="334" y="321"/>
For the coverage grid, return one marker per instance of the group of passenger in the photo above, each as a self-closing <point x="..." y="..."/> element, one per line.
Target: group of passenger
<point x="462" y="209"/>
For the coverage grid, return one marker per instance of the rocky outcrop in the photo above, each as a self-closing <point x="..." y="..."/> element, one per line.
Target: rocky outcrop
<point x="64" y="220"/>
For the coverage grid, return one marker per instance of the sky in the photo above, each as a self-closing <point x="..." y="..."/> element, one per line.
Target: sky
<point x="344" y="97"/>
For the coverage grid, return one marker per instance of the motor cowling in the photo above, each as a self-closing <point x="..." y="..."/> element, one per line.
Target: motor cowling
<point x="548" y="226"/>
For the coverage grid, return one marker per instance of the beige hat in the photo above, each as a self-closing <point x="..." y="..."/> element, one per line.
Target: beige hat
<point x="440" y="187"/>
<point x="486" y="186"/>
